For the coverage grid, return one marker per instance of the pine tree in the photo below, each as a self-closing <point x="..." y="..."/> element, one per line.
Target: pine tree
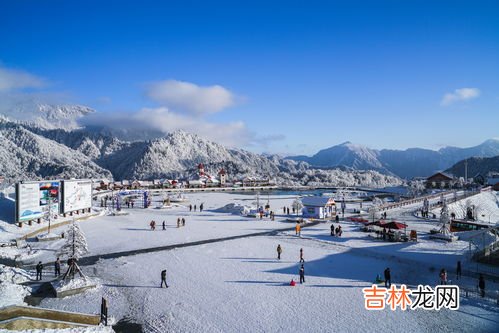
<point x="74" y="249"/>
<point x="76" y="243"/>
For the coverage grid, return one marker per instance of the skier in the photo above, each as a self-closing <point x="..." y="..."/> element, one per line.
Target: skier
<point x="183" y="222"/>
<point x="481" y="285"/>
<point x="194" y="207"/>
<point x="163" y="278"/>
<point x="287" y="210"/>
<point x="190" y="208"/>
<point x="332" y="229"/>
<point x="388" y="277"/>
<point x="57" y="267"/>
<point x="279" y="251"/>
<point x="458" y="270"/>
<point x="443" y="276"/>
<point x="164" y="225"/>
<point x="39" y="269"/>
<point x="302" y="274"/>
<point x="298" y="229"/>
<point x="301" y="255"/>
<point x="201" y="207"/>
<point x="284" y="210"/>
<point x="178" y="222"/>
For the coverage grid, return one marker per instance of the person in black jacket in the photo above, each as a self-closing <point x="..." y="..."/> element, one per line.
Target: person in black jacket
<point x="481" y="285"/>
<point x="458" y="270"/>
<point x="332" y="229"/>
<point x="163" y="278"/>
<point x="388" y="278"/>
<point x="57" y="267"/>
<point x="39" y="269"/>
<point x="302" y="274"/>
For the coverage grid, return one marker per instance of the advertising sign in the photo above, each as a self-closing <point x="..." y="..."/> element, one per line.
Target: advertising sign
<point x="36" y="199"/>
<point x="76" y="195"/>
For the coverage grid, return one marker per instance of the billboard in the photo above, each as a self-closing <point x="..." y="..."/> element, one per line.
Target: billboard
<point x="76" y="195"/>
<point x="35" y="199"/>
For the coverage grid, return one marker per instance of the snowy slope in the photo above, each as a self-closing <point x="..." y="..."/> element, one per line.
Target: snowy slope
<point x="45" y="141"/>
<point x="25" y="155"/>
<point x="46" y="115"/>
<point x="403" y="163"/>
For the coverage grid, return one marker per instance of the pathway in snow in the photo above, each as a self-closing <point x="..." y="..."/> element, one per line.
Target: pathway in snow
<point x="91" y="260"/>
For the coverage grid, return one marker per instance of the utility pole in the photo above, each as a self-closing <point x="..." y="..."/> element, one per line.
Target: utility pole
<point x="49" y="212"/>
<point x="466" y="171"/>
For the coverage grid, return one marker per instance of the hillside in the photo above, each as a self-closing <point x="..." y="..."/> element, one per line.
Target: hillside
<point x="407" y="163"/>
<point x="476" y="165"/>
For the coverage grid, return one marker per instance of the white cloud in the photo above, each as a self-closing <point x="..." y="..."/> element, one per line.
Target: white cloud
<point x="189" y="97"/>
<point x="11" y="79"/>
<point x="232" y="134"/>
<point x="462" y="94"/>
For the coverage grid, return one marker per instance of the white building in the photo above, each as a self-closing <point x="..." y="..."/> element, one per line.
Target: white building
<point x="318" y="207"/>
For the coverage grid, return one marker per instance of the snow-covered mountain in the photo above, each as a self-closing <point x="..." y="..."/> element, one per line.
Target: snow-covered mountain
<point x="31" y="151"/>
<point x="25" y="155"/>
<point x="47" y="116"/>
<point x="403" y="163"/>
<point x="475" y="166"/>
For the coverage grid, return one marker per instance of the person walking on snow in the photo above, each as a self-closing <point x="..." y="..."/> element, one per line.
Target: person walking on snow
<point x="443" y="276"/>
<point x="481" y="285"/>
<point x="388" y="277"/>
<point x="201" y="207"/>
<point x="164" y="225"/>
<point x="301" y="255"/>
<point x="279" y="251"/>
<point x="302" y="274"/>
<point x="57" y="267"/>
<point x="39" y="269"/>
<point x="458" y="270"/>
<point x="190" y="208"/>
<point x="195" y="207"/>
<point x="183" y="222"/>
<point x="163" y="278"/>
<point x="332" y="229"/>
<point x="337" y="218"/>
<point x="298" y="229"/>
<point x="178" y="222"/>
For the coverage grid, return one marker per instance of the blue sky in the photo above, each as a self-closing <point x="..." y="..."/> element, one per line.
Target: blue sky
<point x="275" y="76"/>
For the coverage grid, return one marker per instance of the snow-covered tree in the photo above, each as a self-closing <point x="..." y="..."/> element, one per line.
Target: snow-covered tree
<point x="416" y="188"/>
<point x="445" y="219"/>
<point x="76" y="243"/>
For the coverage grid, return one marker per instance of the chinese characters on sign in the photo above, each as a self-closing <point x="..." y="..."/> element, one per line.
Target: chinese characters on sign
<point x="424" y="297"/>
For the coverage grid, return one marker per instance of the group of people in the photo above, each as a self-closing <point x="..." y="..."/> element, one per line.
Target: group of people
<point x="39" y="269"/>
<point x="266" y="213"/>
<point x="301" y="271"/>
<point x="201" y="207"/>
<point x="180" y="222"/>
<point x="336" y="231"/>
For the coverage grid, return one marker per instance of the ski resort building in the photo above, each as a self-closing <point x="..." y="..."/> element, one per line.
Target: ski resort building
<point x="441" y="180"/>
<point x="318" y="207"/>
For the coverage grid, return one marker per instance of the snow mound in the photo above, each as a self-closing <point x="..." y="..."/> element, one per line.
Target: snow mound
<point x="76" y="283"/>
<point x="235" y="209"/>
<point x="11" y="292"/>
<point x="13" y="275"/>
